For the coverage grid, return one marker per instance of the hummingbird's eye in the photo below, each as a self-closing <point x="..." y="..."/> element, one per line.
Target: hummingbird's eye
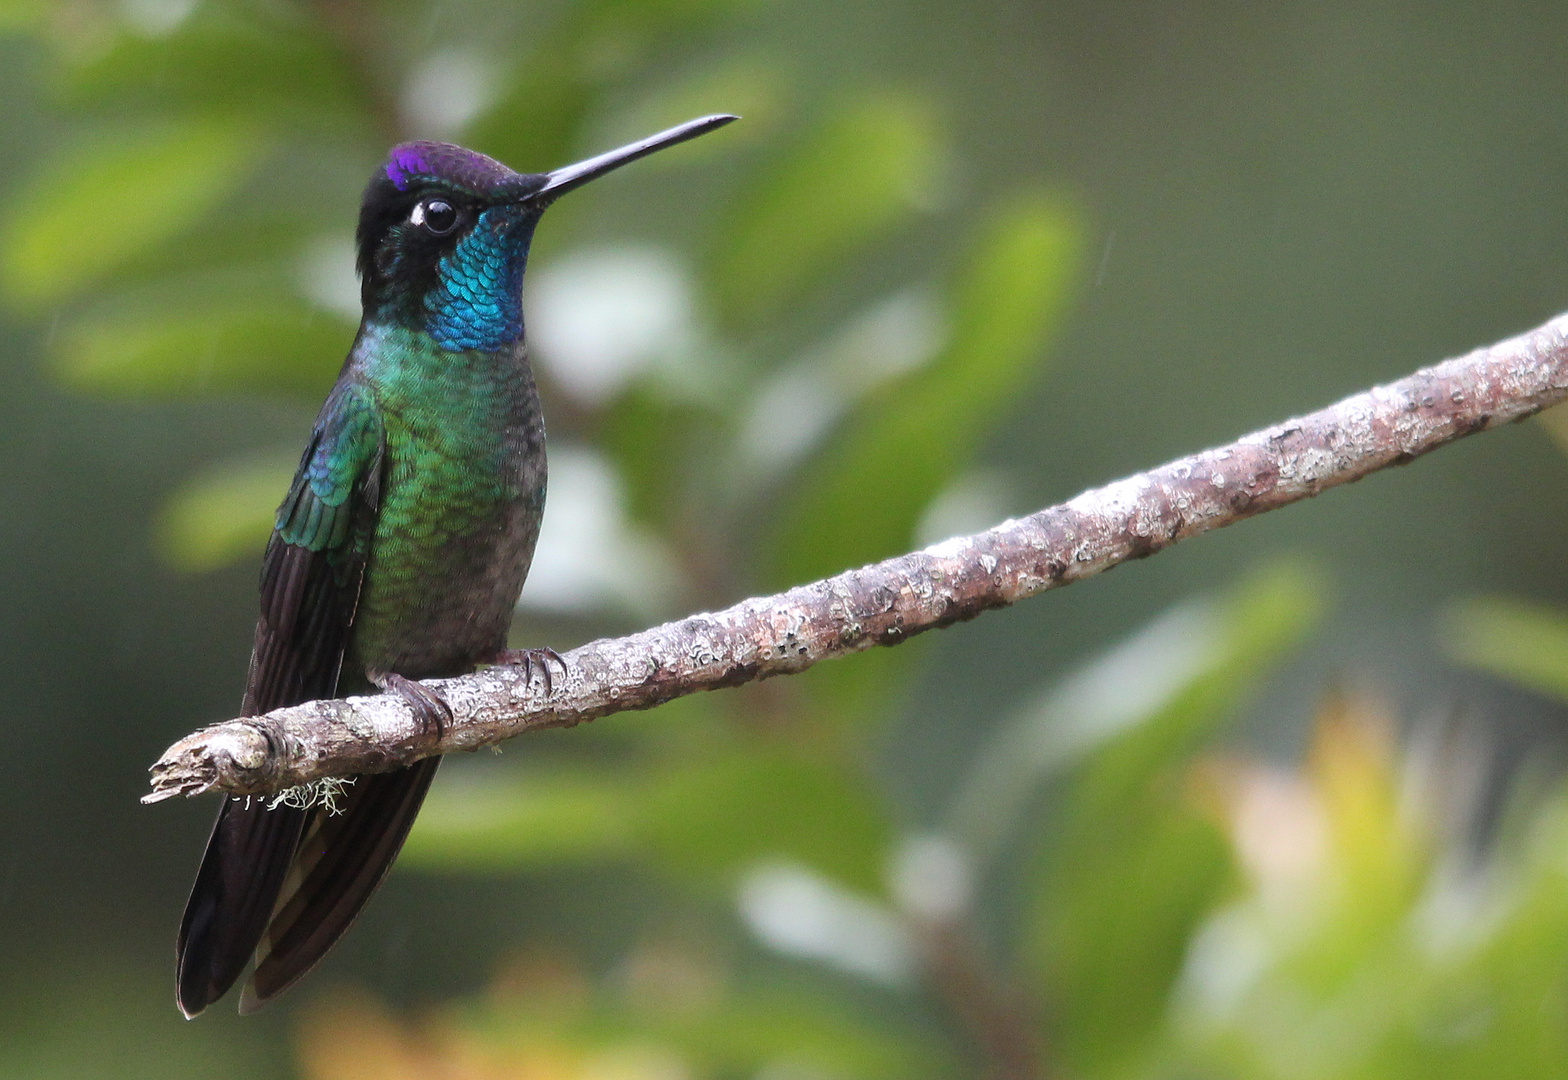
<point x="436" y="216"/>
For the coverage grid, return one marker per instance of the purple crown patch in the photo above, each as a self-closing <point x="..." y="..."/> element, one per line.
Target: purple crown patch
<point x="412" y="162"/>
<point x="405" y="163"/>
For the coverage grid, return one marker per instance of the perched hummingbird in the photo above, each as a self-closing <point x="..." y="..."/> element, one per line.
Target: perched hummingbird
<point x="401" y="547"/>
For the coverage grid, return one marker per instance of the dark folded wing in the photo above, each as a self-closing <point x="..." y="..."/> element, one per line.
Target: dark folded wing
<point x="310" y="582"/>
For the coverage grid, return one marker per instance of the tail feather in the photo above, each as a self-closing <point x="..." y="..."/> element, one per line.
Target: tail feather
<point x="341" y="859"/>
<point x="236" y="889"/>
<point x="284" y="884"/>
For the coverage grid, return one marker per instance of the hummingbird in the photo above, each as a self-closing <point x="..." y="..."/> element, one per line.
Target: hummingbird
<point x="399" y="551"/>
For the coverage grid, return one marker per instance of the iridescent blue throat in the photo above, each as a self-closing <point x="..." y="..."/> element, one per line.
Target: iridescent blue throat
<point x="477" y="302"/>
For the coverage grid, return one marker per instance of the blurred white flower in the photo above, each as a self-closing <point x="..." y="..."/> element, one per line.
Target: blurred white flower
<point x="445" y="92"/>
<point x="589" y="557"/>
<point x="798" y="406"/>
<point x="1226" y="958"/>
<point x="1281" y="838"/>
<point x="931" y="878"/>
<point x="155" y="18"/>
<point x="326" y="275"/>
<point x="597" y="319"/>
<point x="1112" y="693"/>
<point x="895" y="335"/>
<point x="972" y="503"/>
<point x="797" y="911"/>
<point x="789" y="416"/>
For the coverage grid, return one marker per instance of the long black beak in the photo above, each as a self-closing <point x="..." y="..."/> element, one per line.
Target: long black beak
<point x="565" y="179"/>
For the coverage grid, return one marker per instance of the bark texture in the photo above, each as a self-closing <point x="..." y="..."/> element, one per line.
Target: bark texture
<point x="888" y="602"/>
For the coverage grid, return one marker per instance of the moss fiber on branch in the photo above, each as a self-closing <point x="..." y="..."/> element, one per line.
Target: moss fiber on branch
<point x="888" y="602"/>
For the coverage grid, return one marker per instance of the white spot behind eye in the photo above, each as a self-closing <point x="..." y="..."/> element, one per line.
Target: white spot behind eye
<point x="437" y="216"/>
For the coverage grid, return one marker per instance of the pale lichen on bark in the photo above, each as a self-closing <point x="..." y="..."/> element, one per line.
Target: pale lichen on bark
<point x="889" y="602"/>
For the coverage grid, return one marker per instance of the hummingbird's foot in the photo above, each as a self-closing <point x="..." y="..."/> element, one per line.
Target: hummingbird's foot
<point x="432" y="712"/>
<point x="528" y="659"/>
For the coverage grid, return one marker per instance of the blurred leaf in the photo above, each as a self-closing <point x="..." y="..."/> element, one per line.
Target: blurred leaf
<point x="278" y="347"/>
<point x="652" y="441"/>
<point x="1555" y="421"/>
<point x="1268" y="614"/>
<point x="1523" y="641"/>
<point x="541" y="819"/>
<point x="1352" y="767"/>
<point x="535" y="1025"/>
<point x="707" y="820"/>
<point x="806" y="1030"/>
<point x="244" y="251"/>
<point x="1372" y="958"/>
<point x="712" y="819"/>
<point x="1504" y="987"/>
<point x="1377" y="857"/>
<point x="1134" y="863"/>
<point x="537" y="123"/>
<point x="857" y="693"/>
<point x="867" y="168"/>
<point x="1077" y="714"/>
<point x="534" y="125"/>
<point x="680" y="998"/>
<point x="908" y="443"/>
<point x="262" y="61"/>
<point x="225" y="513"/>
<point x="1121" y="937"/>
<point x="21" y="14"/>
<point x="649" y="17"/>
<point x="97" y="1021"/>
<point x="96" y="207"/>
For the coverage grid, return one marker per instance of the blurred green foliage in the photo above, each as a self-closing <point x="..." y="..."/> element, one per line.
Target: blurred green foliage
<point x="1523" y="641"/>
<point x="215" y="518"/>
<point x="863" y="170"/>
<point x="1140" y="902"/>
<point x="908" y="441"/>
<point x="1134" y="864"/>
<point x="79" y="220"/>
<point x="201" y="352"/>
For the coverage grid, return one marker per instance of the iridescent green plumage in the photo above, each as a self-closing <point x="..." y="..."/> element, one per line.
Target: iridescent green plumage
<point x="400" y="549"/>
<point x="464" y="495"/>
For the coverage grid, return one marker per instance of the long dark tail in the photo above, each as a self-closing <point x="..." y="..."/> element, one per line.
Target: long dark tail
<point x="285" y="884"/>
<point x="236" y="888"/>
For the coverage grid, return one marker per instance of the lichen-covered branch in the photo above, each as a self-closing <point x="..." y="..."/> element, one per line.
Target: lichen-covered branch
<point x="888" y="602"/>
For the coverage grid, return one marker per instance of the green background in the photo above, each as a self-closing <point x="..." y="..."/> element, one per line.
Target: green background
<point x="1146" y="228"/>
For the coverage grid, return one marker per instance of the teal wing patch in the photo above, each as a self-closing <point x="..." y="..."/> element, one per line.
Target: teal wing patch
<point x="328" y="494"/>
<point x="315" y="563"/>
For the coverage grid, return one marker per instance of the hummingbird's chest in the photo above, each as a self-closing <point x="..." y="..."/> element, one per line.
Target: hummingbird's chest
<point x="462" y="499"/>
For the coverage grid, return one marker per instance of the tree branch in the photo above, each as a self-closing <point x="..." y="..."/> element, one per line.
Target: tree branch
<point x="886" y="603"/>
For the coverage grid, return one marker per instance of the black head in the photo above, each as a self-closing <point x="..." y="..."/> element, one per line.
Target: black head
<point x="444" y="233"/>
